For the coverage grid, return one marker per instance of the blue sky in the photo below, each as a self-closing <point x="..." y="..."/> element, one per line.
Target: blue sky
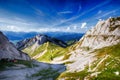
<point x="55" y="15"/>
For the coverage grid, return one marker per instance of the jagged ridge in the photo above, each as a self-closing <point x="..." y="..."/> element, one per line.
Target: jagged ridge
<point x="105" y="33"/>
<point x="38" y="40"/>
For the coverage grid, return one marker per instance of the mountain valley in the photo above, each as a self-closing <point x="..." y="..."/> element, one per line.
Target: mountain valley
<point x="96" y="56"/>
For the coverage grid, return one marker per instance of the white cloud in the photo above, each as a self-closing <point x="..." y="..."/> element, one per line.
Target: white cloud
<point x="100" y="19"/>
<point x="46" y="29"/>
<point x="83" y="25"/>
<point x="10" y="28"/>
<point x="68" y="29"/>
<point x="22" y="26"/>
<point x="65" y="12"/>
<point x="75" y="27"/>
<point x="71" y="28"/>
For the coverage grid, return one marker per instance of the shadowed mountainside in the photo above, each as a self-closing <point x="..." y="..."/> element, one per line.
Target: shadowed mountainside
<point x="8" y="50"/>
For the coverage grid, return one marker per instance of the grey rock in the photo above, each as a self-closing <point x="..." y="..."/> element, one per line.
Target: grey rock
<point x="9" y="51"/>
<point x="38" y="40"/>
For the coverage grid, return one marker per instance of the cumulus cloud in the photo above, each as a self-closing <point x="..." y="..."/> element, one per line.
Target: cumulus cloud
<point x="83" y="25"/>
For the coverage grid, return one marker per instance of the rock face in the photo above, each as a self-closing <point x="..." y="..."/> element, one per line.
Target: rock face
<point x="38" y="40"/>
<point x="8" y="50"/>
<point x="105" y="33"/>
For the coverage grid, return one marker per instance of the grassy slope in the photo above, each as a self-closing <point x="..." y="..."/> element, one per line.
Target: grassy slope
<point x="52" y="51"/>
<point x="111" y="64"/>
<point x="107" y="68"/>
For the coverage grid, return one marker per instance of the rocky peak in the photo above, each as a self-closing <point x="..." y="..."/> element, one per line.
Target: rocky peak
<point x="38" y="40"/>
<point x="9" y="51"/>
<point x="105" y="33"/>
<point x="41" y="39"/>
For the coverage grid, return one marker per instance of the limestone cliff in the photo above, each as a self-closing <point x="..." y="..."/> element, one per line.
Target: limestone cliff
<point x="105" y="33"/>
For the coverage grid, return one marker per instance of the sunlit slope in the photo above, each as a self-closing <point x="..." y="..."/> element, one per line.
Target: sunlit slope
<point x="46" y="52"/>
<point x="105" y="67"/>
<point x="96" y="56"/>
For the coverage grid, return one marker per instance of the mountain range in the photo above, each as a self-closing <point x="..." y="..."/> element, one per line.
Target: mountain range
<point x="39" y="40"/>
<point x="96" y="56"/>
<point x="64" y="36"/>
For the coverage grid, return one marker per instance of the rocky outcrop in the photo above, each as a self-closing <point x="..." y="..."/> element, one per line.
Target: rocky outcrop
<point x="38" y="40"/>
<point x="105" y="33"/>
<point x="9" y="51"/>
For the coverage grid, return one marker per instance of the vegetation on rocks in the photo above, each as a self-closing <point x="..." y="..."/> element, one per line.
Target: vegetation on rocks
<point x="74" y="75"/>
<point x="102" y="68"/>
